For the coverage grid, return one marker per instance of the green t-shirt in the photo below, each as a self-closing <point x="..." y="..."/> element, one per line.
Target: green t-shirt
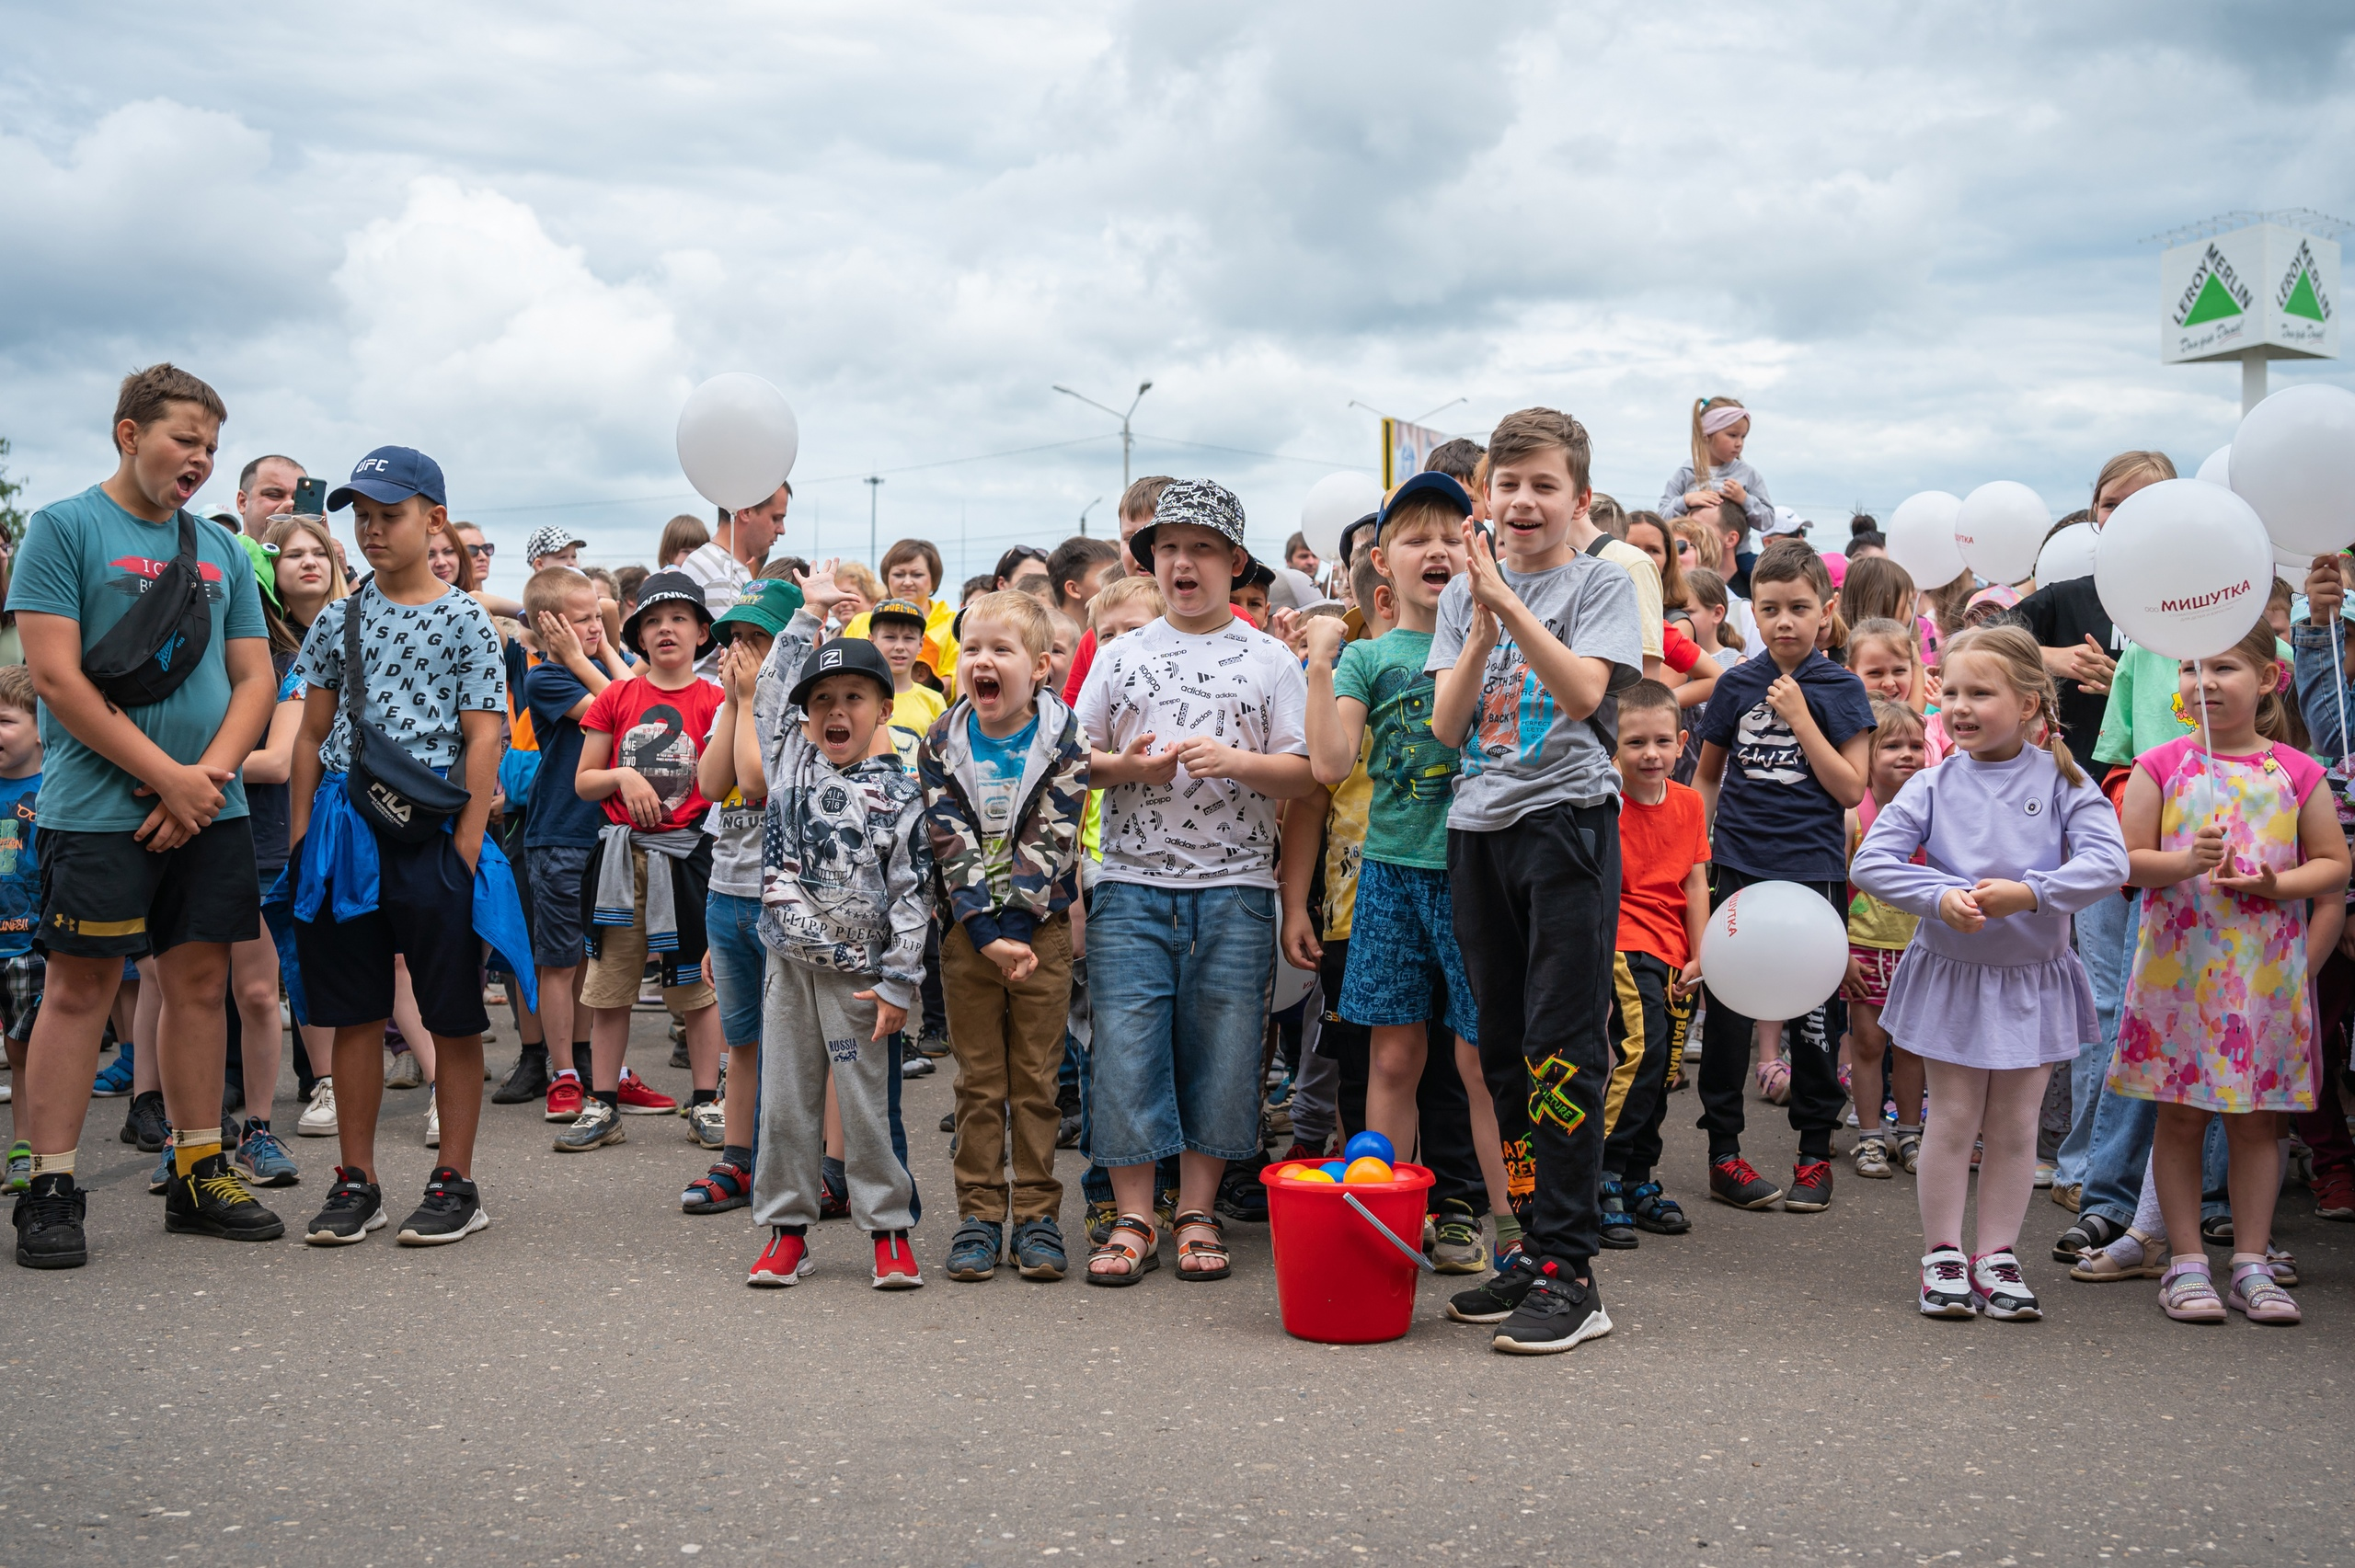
<point x="2145" y="708"/>
<point x="1413" y="774"/>
<point x="86" y="558"/>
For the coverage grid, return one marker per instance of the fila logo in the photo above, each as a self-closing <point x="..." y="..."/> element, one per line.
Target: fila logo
<point x="390" y="804"/>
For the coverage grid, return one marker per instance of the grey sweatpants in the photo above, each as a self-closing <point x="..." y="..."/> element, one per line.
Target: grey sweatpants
<point x="810" y="1023"/>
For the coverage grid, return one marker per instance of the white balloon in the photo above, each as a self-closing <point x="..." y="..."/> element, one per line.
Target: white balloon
<point x="2290" y="463"/>
<point x="2068" y="554"/>
<point x="737" y="440"/>
<point x="1774" y="950"/>
<point x="1332" y="504"/>
<point x="1921" y="539"/>
<point x="2291" y="569"/>
<point x="2184" y="567"/>
<point x="1999" y="528"/>
<point x="2218" y="468"/>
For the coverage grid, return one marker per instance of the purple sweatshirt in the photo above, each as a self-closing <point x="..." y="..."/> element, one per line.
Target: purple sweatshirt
<point x="2019" y="821"/>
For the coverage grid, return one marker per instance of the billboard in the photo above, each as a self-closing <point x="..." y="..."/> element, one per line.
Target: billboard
<point x="2268" y="289"/>
<point x="1406" y="448"/>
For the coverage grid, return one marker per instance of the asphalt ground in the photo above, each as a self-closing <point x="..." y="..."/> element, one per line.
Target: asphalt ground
<point x="591" y="1380"/>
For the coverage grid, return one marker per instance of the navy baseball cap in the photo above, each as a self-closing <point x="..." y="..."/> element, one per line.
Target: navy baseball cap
<point x="390" y="475"/>
<point x="1428" y="483"/>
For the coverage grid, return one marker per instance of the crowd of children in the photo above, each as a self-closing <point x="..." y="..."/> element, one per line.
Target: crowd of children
<point x="1135" y="830"/>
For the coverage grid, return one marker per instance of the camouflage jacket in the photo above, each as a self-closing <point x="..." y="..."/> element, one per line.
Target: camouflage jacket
<point x="845" y="867"/>
<point x="1043" y="840"/>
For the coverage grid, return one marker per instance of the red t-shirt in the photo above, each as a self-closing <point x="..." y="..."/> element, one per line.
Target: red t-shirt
<point x="660" y="734"/>
<point x="1081" y="658"/>
<point x="1659" y="847"/>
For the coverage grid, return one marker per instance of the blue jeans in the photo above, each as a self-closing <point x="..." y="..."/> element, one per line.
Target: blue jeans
<point x="738" y="963"/>
<point x="1179" y="981"/>
<point x="2105" y="934"/>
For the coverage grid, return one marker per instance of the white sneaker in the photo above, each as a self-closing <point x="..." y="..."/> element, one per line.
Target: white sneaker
<point x="707" y="1124"/>
<point x="432" y="1121"/>
<point x="1998" y="1291"/>
<point x="319" y="1117"/>
<point x="1946" y="1284"/>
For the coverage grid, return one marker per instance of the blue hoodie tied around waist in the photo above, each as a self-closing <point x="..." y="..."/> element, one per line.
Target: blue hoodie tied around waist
<point x="338" y="869"/>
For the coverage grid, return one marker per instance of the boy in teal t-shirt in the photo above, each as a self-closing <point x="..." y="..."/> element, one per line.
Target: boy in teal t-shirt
<point x="1401" y="946"/>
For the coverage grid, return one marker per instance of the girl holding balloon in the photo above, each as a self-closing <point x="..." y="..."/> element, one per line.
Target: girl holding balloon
<point x="2013" y="840"/>
<point x="2230" y="838"/>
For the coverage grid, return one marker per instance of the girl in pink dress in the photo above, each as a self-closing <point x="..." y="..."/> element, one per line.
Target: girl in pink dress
<point x="2229" y="841"/>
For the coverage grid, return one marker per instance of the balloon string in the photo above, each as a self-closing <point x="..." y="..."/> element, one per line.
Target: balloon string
<point x="2338" y="683"/>
<point x="2207" y="743"/>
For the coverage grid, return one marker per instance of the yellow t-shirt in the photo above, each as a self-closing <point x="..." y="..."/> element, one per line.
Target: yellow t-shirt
<point x="1647" y="591"/>
<point x="939" y="642"/>
<point x="1345" y="847"/>
<point x="913" y="713"/>
<point x="1872" y="923"/>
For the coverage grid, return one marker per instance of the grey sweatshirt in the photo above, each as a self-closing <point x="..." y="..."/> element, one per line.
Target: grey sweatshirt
<point x="1760" y="510"/>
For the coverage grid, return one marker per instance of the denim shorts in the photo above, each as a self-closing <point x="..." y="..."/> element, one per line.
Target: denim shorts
<point x="738" y="963"/>
<point x="1405" y="966"/>
<point x="1179" y="983"/>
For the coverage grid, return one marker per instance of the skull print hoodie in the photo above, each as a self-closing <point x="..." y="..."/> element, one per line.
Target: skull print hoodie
<point x="845" y="866"/>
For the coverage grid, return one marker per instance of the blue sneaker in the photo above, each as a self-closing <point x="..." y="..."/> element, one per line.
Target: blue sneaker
<point x="262" y="1160"/>
<point x="113" y="1080"/>
<point x="161" y="1178"/>
<point x="974" y="1250"/>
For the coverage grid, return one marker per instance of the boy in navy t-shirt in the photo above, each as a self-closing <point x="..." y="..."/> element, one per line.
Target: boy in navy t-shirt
<point x="1783" y="746"/>
<point x="20" y="967"/>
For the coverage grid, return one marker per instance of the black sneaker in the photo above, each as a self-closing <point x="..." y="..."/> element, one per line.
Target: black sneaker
<point x="1810" y="1187"/>
<point x="452" y="1211"/>
<point x="528" y="1082"/>
<point x="932" y="1043"/>
<point x="355" y="1207"/>
<point x="1495" y="1300"/>
<point x="1557" y="1313"/>
<point x="211" y="1201"/>
<point x="142" y="1124"/>
<point x="49" y="1224"/>
<point x="1736" y="1181"/>
<point x="1615" y="1225"/>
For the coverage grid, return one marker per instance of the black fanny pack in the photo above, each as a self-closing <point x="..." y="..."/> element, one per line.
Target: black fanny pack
<point x="395" y="794"/>
<point x="145" y="655"/>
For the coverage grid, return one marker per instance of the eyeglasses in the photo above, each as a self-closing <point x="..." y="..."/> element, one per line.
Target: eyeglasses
<point x="484" y="552"/>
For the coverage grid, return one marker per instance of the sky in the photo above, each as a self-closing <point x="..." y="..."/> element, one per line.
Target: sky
<point x="1911" y="237"/>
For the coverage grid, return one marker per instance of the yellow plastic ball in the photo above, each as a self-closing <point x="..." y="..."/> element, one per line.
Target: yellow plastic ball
<point x="1366" y="1168"/>
<point x="1310" y="1173"/>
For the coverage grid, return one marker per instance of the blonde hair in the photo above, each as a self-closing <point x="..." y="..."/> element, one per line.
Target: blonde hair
<point x="2151" y="465"/>
<point x="1701" y="464"/>
<point x="287" y="527"/>
<point x="1705" y="548"/>
<point x="17" y="689"/>
<point x="546" y="591"/>
<point x="1897" y="636"/>
<point x="1709" y="591"/>
<point x="1119" y="591"/>
<point x="1025" y="614"/>
<point x="2022" y="664"/>
<point x="870" y="586"/>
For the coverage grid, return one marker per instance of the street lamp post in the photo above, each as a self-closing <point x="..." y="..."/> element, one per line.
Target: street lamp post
<point x="1126" y="439"/>
<point x="873" y="489"/>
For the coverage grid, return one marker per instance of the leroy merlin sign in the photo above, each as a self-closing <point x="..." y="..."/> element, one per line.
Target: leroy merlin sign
<point x="2266" y="289"/>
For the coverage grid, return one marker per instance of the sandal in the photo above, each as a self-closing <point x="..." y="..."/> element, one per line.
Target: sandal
<point x="1213" y="1250"/>
<point x="2189" y="1296"/>
<point x="1133" y="1242"/>
<point x="2284" y="1266"/>
<point x="2258" y="1297"/>
<point x="2108" y="1266"/>
<point x="1655" y="1211"/>
<point x="2090" y="1234"/>
<point x="717" y="1190"/>
<point x="1908" y="1152"/>
<point x="1774" y="1081"/>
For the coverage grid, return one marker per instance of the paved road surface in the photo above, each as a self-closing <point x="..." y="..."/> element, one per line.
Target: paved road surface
<point x="591" y="1380"/>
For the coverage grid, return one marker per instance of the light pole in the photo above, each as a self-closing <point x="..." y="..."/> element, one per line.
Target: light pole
<point x="1083" y="514"/>
<point x="873" y="489"/>
<point x="1126" y="439"/>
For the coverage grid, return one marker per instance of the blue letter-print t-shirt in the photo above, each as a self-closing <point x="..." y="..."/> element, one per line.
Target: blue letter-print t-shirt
<point x="1775" y="818"/>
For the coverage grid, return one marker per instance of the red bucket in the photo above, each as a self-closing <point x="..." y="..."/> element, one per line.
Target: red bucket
<point x="1346" y="1276"/>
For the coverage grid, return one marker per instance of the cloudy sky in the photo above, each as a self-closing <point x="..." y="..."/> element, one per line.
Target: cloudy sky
<point x="516" y="235"/>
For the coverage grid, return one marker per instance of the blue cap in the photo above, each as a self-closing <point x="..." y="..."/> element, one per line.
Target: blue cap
<point x="1428" y="483"/>
<point x="392" y="474"/>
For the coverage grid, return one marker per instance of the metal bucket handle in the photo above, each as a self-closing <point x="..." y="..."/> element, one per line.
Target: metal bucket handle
<point x="1388" y="1234"/>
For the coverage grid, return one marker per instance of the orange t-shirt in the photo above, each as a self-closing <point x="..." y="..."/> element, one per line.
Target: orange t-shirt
<point x="1659" y="847"/>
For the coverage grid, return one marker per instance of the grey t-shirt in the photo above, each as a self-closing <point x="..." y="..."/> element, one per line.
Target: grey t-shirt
<point x="1522" y="755"/>
<point x="735" y="830"/>
<point x="427" y="664"/>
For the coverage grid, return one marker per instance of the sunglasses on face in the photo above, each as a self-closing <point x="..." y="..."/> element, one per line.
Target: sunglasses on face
<point x="484" y="551"/>
<point x="1684" y="546"/>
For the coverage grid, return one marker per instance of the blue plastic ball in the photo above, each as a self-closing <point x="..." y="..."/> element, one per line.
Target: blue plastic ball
<point x="1334" y="1168"/>
<point x="1371" y="1142"/>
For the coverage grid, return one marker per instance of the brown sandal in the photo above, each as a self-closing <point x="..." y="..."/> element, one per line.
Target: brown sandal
<point x="1214" y="1249"/>
<point x="1132" y="1240"/>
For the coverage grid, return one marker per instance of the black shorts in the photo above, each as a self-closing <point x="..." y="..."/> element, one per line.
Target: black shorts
<point x="554" y="873"/>
<point x="108" y="896"/>
<point x="425" y="912"/>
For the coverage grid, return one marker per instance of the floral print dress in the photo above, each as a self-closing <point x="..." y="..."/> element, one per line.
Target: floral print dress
<point x="2216" y="1013"/>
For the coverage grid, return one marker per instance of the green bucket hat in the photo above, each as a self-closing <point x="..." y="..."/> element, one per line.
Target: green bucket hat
<point x="265" y="560"/>
<point x="769" y="608"/>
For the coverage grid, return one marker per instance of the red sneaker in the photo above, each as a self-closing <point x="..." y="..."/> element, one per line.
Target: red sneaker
<point x="2334" y="1194"/>
<point x="564" y="1100"/>
<point x="782" y="1262"/>
<point x="895" y="1264"/>
<point x="637" y="1100"/>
